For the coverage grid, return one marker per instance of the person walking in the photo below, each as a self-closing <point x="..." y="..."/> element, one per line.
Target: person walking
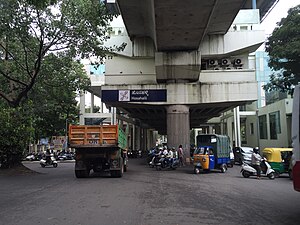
<point x="256" y="160"/>
<point x="180" y="156"/>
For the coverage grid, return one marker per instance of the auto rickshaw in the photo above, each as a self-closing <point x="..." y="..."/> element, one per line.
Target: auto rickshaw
<point x="212" y="152"/>
<point x="279" y="159"/>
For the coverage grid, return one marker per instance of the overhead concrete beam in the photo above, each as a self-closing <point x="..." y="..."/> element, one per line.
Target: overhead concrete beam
<point x="177" y="67"/>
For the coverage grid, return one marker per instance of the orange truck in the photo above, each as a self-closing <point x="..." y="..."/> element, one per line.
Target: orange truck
<point x="101" y="148"/>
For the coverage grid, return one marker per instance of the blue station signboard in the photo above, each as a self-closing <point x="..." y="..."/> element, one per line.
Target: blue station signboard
<point x="151" y="95"/>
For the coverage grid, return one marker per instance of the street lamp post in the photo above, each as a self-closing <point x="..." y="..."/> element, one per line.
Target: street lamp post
<point x="66" y="134"/>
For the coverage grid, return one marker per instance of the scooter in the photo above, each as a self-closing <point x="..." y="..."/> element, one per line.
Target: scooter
<point x="52" y="162"/>
<point x="155" y="159"/>
<point x="247" y="170"/>
<point x="166" y="163"/>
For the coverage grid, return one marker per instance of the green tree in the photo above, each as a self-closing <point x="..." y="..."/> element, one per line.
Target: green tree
<point x="54" y="95"/>
<point x="30" y="31"/>
<point x="16" y="130"/>
<point x="283" y="47"/>
<point x="39" y="76"/>
<point x="51" y="101"/>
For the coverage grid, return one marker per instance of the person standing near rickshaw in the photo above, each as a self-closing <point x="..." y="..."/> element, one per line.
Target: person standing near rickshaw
<point x="180" y="155"/>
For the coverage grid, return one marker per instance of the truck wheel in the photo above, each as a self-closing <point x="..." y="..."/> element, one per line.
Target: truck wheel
<point x="118" y="173"/>
<point x="79" y="174"/>
<point x="82" y="173"/>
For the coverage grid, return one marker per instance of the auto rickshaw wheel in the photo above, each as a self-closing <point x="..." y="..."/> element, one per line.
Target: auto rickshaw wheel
<point x="277" y="174"/>
<point x="223" y="168"/>
<point x="196" y="170"/>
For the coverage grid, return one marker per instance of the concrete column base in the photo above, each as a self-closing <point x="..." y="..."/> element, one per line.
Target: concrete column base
<point x="178" y="128"/>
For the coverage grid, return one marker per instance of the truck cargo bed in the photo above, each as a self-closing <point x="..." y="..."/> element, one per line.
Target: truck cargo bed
<point x="100" y="136"/>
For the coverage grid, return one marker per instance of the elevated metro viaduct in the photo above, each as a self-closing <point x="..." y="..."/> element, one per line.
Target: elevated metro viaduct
<point x="185" y="62"/>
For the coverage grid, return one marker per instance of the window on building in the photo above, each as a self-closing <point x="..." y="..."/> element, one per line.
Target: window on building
<point x="251" y="128"/>
<point x="243" y="131"/>
<point x="243" y="108"/>
<point x="225" y="128"/>
<point x="274" y="124"/>
<point x="263" y="127"/>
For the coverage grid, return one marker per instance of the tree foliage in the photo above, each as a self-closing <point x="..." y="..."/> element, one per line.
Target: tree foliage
<point x="30" y="31"/>
<point x="49" y="104"/>
<point x="54" y="95"/>
<point x="16" y="130"/>
<point x="283" y="47"/>
<point x="41" y="43"/>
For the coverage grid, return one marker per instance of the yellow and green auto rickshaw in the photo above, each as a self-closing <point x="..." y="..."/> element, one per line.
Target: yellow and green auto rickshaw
<point x="279" y="159"/>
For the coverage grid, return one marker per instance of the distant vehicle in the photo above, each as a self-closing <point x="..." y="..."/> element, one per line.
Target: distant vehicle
<point x="279" y="159"/>
<point x="30" y="157"/>
<point x="242" y="154"/>
<point x="52" y="162"/>
<point x="65" y="156"/>
<point x="132" y="154"/>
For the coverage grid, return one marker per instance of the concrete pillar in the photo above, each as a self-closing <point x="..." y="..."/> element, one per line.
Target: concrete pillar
<point x="152" y="139"/>
<point x="92" y="103"/>
<point x="178" y="128"/>
<point x="144" y="139"/>
<point x="133" y="136"/>
<point x="237" y="126"/>
<point x="137" y="143"/>
<point x="210" y="129"/>
<point x="114" y="115"/>
<point x="82" y="107"/>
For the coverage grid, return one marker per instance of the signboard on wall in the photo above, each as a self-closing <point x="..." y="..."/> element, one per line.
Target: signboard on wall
<point x="134" y="95"/>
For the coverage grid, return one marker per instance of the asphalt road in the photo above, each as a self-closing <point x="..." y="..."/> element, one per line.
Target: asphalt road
<point x="145" y="196"/>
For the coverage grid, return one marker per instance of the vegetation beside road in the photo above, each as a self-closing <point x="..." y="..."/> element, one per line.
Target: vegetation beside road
<point x="41" y="44"/>
<point x="283" y="47"/>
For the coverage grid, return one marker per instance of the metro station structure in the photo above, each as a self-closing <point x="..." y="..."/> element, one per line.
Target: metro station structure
<point x="184" y="63"/>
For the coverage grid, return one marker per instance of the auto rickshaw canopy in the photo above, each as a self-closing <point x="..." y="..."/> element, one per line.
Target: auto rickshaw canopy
<point x="275" y="154"/>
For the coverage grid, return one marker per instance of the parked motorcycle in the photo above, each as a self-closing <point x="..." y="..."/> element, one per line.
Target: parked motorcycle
<point x="51" y="162"/>
<point x="248" y="170"/>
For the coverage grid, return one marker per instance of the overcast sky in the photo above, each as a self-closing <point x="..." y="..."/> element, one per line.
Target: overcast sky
<point x="277" y="13"/>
